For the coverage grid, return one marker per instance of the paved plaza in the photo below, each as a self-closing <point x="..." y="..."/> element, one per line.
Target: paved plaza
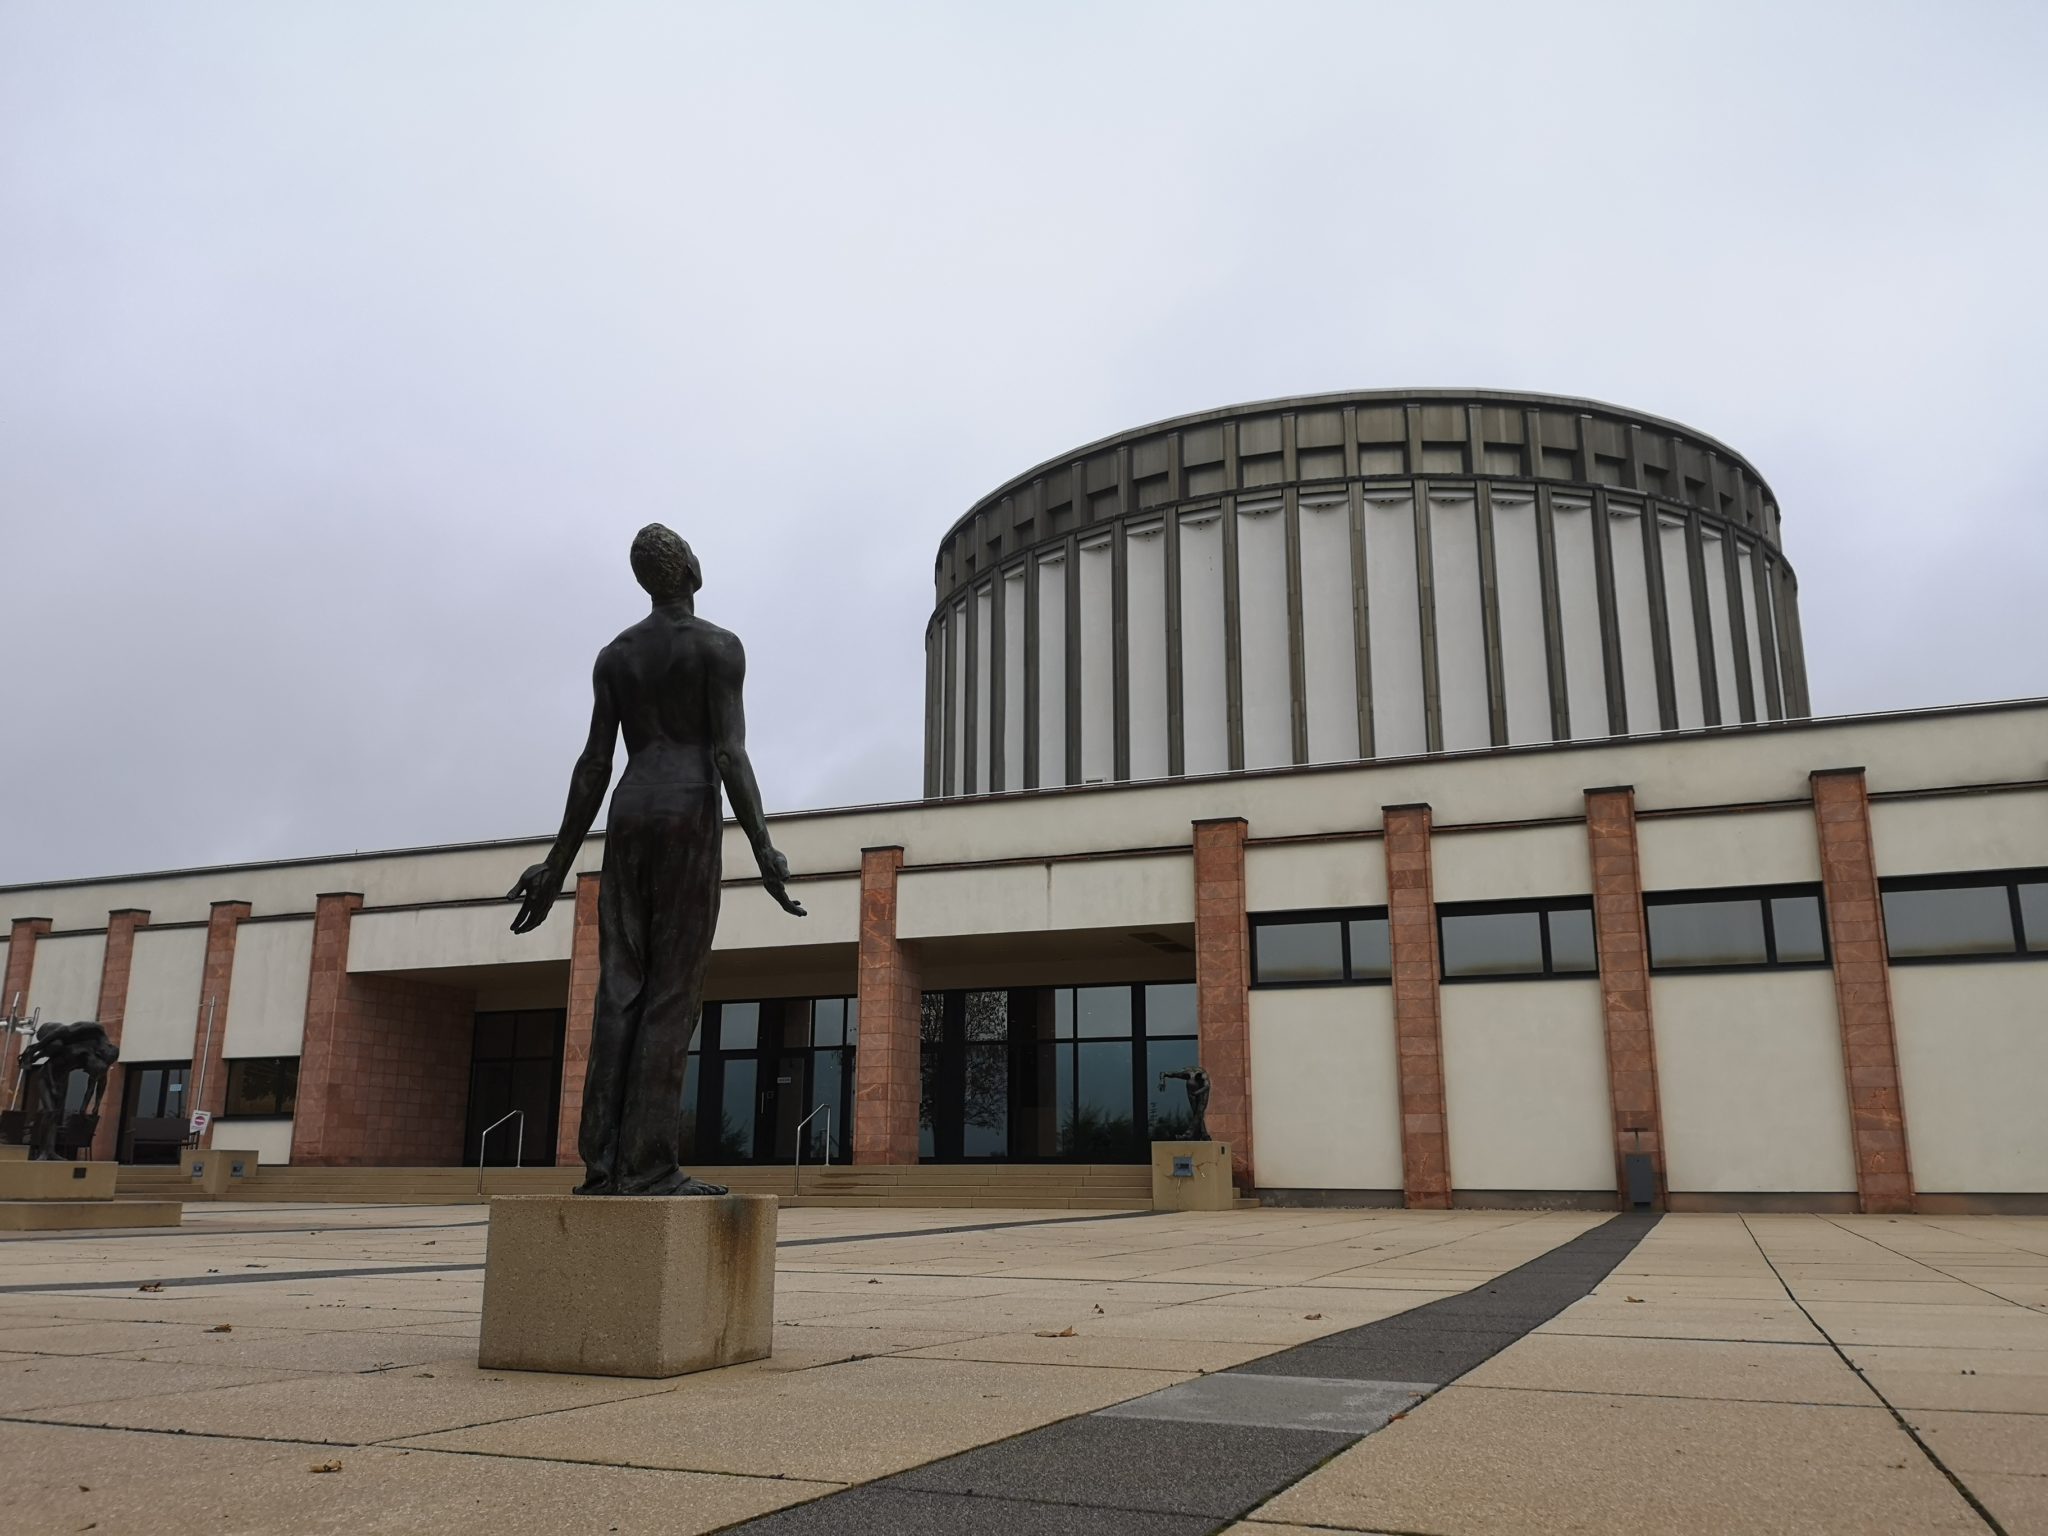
<point x="312" y="1368"/>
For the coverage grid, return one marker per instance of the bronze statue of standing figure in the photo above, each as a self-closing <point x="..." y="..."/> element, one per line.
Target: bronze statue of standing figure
<point x="672" y="683"/>
<point x="46" y="1065"/>
<point x="1198" y="1101"/>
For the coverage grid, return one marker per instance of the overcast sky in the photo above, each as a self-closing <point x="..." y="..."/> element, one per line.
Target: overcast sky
<point x="344" y="346"/>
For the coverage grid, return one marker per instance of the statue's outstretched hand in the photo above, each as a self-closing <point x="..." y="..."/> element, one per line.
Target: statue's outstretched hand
<point x="536" y="890"/>
<point x="774" y="878"/>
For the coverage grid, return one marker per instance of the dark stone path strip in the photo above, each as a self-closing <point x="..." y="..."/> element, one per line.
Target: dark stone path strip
<point x="1193" y="1458"/>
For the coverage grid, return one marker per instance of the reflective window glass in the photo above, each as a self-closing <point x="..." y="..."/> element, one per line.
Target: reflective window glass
<point x="1298" y="952"/>
<point x="1707" y="933"/>
<point x="1571" y="941"/>
<point x="1095" y="1111"/>
<point x="736" y="1125"/>
<point x="986" y="1016"/>
<point x="852" y="1020"/>
<point x="1795" y="924"/>
<point x="690" y="1080"/>
<point x="1492" y="943"/>
<point x="2034" y="913"/>
<point x="825" y="1085"/>
<point x="1370" y="957"/>
<point x="1962" y="920"/>
<point x="985" y="1116"/>
<point x="1063" y="1013"/>
<point x="1101" y="1012"/>
<point x="1170" y="1008"/>
<point x="828" y="1021"/>
<point x="739" y="1026"/>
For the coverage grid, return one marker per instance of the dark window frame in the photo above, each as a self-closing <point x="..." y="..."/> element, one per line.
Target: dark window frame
<point x="1542" y="905"/>
<point x="228" y="1073"/>
<point x="1763" y="895"/>
<point x="1343" y="917"/>
<point x="1970" y="879"/>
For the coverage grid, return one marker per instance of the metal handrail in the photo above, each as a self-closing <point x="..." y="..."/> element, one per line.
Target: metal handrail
<point x="796" y="1173"/>
<point x="518" y="1147"/>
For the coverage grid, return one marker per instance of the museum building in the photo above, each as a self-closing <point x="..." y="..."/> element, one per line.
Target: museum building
<point x="1436" y="768"/>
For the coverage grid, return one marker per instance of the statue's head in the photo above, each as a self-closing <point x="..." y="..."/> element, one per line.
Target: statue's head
<point x="664" y="564"/>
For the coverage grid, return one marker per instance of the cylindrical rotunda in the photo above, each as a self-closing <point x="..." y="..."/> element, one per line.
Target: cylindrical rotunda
<point x="1333" y="577"/>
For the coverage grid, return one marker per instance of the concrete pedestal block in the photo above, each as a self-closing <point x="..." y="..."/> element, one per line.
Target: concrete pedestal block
<point x="87" y="1215"/>
<point x="13" y="1152"/>
<point x="1192" y="1176"/>
<point x="212" y="1171"/>
<point x="628" y="1285"/>
<point x="56" y="1181"/>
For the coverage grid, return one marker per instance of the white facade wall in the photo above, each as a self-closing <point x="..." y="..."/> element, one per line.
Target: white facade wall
<point x="1959" y="832"/>
<point x="1525" y="1086"/>
<point x="270" y="1140"/>
<point x="1326" y="1090"/>
<point x="1973" y="1062"/>
<point x="1497" y="865"/>
<point x="1750" y="1077"/>
<point x="1351" y="872"/>
<point x="267" y="998"/>
<point x="1777" y="847"/>
<point x="65" y="984"/>
<point x="165" y="973"/>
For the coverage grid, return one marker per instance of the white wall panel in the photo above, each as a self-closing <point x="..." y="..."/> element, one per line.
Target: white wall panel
<point x="1205" y="702"/>
<point x="1296" y="876"/>
<point x="1013" y="679"/>
<point x="1511" y="863"/>
<point x="1578" y="601"/>
<point x="1685" y="646"/>
<point x="1746" y="566"/>
<point x="1518" y="576"/>
<point x="748" y="918"/>
<point x="1460" y="622"/>
<point x="1394" y="611"/>
<point x="1972" y="1060"/>
<point x="1052" y="671"/>
<point x="1329" y="641"/>
<point x="270" y="1140"/>
<point x="1525" y="1086"/>
<point x="984" y="687"/>
<point x="1725" y="660"/>
<point x="429" y="938"/>
<point x="1681" y="853"/>
<point x="164" y="977"/>
<point x="1632" y="615"/>
<point x="267" y="997"/>
<point x="1262" y="632"/>
<point x="1098" y="662"/>
<point x="1145" y="641"/>
<point x="1750" y="1077"/>
<point x="1956" y="832"/>
<point x="65" y="982"/>
<point x="1326" y="1093"/>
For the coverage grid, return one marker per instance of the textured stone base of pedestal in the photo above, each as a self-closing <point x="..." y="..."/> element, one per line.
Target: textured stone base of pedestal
<point x="13" y="1152"/>
<point x="1205" y="1186"/>
<point x="212" y="1171"/>
<point x="56" y="1181"/>
<point x="626" y="1285"/>
<point x="81" y="1215"/>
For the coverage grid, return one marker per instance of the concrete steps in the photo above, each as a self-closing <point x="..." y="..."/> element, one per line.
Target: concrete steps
<point x="1015" y="1186"/>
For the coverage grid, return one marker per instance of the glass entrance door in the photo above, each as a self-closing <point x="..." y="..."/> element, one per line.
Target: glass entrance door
<point x="153" y="1111"/>
<point x="759" y="1070"/>
<point x="515" y="1063"/>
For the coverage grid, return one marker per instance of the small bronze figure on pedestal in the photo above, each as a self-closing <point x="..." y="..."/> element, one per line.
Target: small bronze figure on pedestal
<point x="1198" y="1100"/>
<point x="47" y="1063"/>
<point x="672" y="684"/>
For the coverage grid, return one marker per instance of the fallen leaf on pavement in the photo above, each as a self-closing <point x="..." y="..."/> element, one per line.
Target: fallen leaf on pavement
<point x="1636" y="1299"/>
<point x="222" y="1328"/>
<point x="154" y="1285"/>
<point x="325" y="1466"/>
<point x="1048" y="1333"/>
<point x="1312" y="1317"/>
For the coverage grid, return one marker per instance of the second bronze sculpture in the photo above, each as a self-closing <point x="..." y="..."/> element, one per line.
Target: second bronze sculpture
<point x="671" y="684"/>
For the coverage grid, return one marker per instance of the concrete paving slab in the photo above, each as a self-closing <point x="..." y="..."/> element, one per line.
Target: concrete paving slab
<point x="1986" y="1380"/>
<point x="1406" y="1356"/>
<point x="1992" y="1325"/>
<point x="1708" y="1368"/>
<point x="1760" y="1322"/>
<point x="1278" y="1402"/>
<point x="1472" y="1460"/>
<point x="38" y="1383"/>
<point x="1969" y="1443"/>
<point x="172" y="1485"/>
<point x="1088" y="1346"/>
<point x="842" y="1423"/>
